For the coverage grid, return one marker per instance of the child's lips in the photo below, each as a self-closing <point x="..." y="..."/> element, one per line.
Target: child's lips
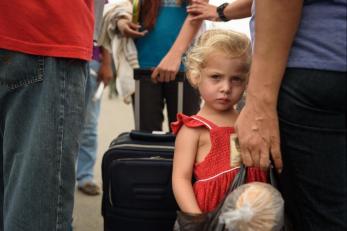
<point x="223" y="100"/>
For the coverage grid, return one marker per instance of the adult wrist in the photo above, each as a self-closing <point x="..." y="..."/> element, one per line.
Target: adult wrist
<point x="220" y="12"/>
<point x="265" y="100"/>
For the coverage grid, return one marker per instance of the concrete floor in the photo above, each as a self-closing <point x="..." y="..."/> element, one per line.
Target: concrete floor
<point x="115" y="118"/>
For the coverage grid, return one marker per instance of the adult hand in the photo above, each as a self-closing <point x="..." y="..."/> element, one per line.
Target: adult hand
<point x="201" y="10"/>
<point x="130" y="29"/>
<point x="105" y="73"/>
<point x="258" y="133"/>
<point x="167" y="69"/>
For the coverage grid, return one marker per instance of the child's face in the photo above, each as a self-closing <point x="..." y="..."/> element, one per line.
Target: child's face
<point x="223" y="81"/>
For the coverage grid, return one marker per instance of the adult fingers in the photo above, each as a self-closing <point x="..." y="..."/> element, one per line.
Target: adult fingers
<point x="255" y="158"/>
<point x="165" y="76"/>
<point x="246" y="157"/>
<point x="276" y="156"/>
<point x="155" y="75"/>
<point x="195" y="9"/>
<point x="264" y="159"/>
<point x="160" y="76"/>
<point x="132" y="30"/>
<point x="134" y="33"/>
<point x="134" y="26"/>
<point x="197" y="2"/>
<point x="173" y="75"/>
<point x="198" y="8"/>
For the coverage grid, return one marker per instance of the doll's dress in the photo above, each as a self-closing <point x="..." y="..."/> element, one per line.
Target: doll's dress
<point x="213" y="175"/>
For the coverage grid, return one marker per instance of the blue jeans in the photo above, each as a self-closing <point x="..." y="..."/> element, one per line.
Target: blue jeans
<point x="88" y="148"/>
<point x="312" y="112"/>
<point x="41" y="115"/>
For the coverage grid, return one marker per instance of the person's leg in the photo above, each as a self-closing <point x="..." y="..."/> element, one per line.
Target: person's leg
<point x="312" y="112"/>
<point x="151" y="106"/>
<point x="88" y="142"/>
<point x="191" y="100"/>
<point x="1" y="164"/>
<point x="42" y="106"/>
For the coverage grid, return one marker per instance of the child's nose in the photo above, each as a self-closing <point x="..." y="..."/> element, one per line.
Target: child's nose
<point x="226" y="87"/>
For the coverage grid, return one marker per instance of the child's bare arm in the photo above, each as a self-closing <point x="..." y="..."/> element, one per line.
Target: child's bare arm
<point x="184" y="159"/>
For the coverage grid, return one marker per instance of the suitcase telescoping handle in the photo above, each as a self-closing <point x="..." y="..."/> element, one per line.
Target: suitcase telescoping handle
<point x="141" y="74"/>
<point x="146" y="73"/>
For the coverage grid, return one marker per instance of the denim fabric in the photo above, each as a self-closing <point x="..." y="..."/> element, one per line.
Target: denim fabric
<point x="41" y="115"/>
<point x="312" y="112"/>
<point x="88" y="147"/>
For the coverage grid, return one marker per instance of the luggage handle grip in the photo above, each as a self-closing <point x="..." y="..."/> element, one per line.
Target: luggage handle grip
<point x="145" y="73"/>
<point x="153" y="137"/>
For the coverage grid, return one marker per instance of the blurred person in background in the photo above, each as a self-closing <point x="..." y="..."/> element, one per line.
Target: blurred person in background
<point x="162" y="35"/>
<point x="100" y="74"/>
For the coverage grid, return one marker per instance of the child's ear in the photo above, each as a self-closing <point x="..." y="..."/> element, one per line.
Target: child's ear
<point x="198" y="79"/>
<point x="192" y="79"/>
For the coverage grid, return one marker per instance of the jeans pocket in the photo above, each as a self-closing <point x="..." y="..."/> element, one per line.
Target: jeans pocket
<point x="19" y="69"/>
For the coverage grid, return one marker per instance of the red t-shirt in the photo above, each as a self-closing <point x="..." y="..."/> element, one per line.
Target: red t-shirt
<point x="59" y="28"/>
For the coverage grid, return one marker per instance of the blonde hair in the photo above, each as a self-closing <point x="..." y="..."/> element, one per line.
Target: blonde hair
<point x="231" y="43"/>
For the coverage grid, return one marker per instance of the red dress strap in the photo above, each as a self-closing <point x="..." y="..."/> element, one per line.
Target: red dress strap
<point x="191" y="122"/>
<point x="207" y="123"/>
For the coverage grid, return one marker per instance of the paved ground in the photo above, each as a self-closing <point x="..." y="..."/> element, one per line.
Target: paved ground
<point x="115" y="117"/>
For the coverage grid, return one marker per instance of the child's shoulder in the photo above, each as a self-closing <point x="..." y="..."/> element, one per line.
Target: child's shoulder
<point x="189" y="122"/>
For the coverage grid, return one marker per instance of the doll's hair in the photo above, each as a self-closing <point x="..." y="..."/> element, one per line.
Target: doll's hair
<point x="254" y="206"/>
<point x="231" y="43"/>
<point x="150" y="11"/>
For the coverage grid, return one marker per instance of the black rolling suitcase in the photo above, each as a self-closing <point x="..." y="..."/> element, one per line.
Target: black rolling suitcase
<point x="136" y="175"/>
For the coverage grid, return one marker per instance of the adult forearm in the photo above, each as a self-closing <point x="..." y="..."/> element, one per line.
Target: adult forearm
<point x="275" y="28"/>
<point x="105" y="56"/>
<point x="186" y="35"/>
<point x="238" y="9"/>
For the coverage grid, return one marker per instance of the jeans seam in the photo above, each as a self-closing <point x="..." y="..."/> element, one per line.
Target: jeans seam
<point x="60" y="149"/>
<point x="39" y="78"/>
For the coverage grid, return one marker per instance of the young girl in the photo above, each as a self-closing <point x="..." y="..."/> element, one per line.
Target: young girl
<point x="218" y="66"/>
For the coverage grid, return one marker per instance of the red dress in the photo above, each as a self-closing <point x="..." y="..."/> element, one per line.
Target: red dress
<point x="213" y="175"/>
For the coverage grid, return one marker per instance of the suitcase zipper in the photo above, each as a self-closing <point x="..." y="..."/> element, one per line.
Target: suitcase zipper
<point x="144" y="158"/>
<point x="142" y="146"/>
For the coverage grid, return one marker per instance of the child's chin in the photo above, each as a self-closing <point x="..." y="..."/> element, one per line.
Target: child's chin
<point x="224" y="108"/>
